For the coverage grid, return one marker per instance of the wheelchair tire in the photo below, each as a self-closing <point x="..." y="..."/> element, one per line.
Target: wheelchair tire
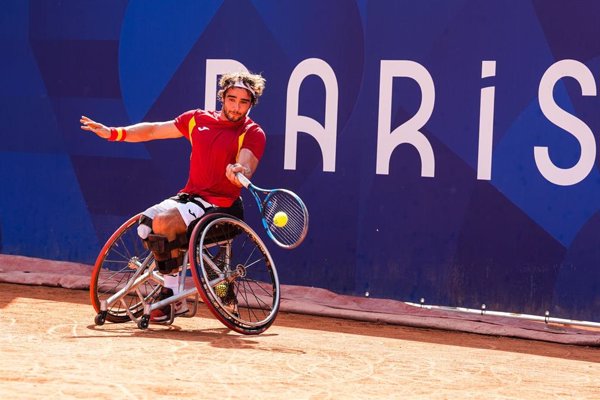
<point x="115" y="266"/>
<point x="234" y="273"/>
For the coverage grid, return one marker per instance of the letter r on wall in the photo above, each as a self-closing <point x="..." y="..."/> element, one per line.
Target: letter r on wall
<point x="408" y="132"/>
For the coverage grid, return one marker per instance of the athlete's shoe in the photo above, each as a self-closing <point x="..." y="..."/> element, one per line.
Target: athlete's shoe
<point x="163" y="314"/>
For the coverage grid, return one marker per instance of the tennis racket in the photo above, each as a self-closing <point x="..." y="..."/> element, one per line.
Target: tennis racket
<point x="284" y="215"/>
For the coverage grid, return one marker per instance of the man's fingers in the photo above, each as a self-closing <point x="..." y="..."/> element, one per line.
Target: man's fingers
<point x="237" y="168"/>
<point x="233" y="168"/>
<point x="88" y="127"/>
<point x="90" y="123"/>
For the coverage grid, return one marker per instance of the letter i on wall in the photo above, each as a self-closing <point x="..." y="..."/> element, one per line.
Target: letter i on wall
<point x="486" y="123"/>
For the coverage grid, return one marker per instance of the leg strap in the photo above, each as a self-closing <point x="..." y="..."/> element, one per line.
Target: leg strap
<point x="162" y="248"/>
<point x="169" y="266"/>
<point x="160" y="244"/>
<point x="145" y="220"/>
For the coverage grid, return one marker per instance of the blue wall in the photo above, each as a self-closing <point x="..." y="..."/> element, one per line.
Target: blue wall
<point x="444" y="220"/>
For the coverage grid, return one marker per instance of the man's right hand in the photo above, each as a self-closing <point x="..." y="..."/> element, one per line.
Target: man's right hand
<point x="96" y="127"/>
<point x="233" y="169"/>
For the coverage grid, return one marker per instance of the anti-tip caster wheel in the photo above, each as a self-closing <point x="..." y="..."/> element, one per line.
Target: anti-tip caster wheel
<point x="144" y="322"/>
<point x="100" y="318"/>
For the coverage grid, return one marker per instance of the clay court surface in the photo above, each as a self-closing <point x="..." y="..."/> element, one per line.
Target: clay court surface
<point x="51" y="349"/>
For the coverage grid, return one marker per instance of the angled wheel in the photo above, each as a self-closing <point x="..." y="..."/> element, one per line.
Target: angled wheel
<point x="234" y="274"/>
<point x="116" y="264"/>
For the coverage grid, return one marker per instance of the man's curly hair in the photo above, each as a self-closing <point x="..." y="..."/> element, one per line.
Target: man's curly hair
<point x="255" y="81"/>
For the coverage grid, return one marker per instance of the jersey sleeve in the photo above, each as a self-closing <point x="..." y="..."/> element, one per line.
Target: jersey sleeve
<point x="185" y="123"/>
<point x="255" y="140"/>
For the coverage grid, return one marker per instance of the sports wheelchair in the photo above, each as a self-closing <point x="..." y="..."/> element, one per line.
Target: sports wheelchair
<point x="231" y="268"/>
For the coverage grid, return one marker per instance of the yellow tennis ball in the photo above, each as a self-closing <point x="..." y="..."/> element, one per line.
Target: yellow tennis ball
<point x="280" y="219"/>
<point x="221" y="289"/>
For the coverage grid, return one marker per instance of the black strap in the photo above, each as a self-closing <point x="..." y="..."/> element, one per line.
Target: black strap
<point x="168" y="266"/>
<point x="190" y="198"/>
<point x="145" y="220"/>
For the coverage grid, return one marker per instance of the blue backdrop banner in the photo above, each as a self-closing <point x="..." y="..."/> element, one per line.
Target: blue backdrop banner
<point x="446" y="150"/>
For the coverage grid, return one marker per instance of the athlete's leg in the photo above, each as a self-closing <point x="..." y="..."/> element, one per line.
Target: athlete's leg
<point x="147" y="218"/>
<point x="169" y="224"/>
<point x="163" y="228"/>
<point x="169" y="228"/>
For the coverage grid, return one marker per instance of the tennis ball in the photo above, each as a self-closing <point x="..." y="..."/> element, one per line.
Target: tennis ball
<point x="280" y="219"/>
<point x="221" y="289"/>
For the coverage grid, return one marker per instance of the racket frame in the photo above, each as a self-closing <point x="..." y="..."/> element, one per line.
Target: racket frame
<point x="268" y="192"/>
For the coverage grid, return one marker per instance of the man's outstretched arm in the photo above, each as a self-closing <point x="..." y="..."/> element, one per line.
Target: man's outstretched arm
<point x="141" y="132"/>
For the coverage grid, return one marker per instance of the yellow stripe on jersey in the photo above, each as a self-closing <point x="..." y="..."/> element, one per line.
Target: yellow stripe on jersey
<point x="240" y="142"/>
<point x="191" y="126"/>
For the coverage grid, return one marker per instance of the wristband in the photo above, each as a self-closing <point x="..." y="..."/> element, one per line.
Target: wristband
<point x="117" y="134"/>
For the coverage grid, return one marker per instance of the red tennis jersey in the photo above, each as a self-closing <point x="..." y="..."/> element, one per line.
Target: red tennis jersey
<point x="215" y="144"/>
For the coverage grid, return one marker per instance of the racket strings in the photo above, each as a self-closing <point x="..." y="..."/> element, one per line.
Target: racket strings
<point x="294" y="231"/>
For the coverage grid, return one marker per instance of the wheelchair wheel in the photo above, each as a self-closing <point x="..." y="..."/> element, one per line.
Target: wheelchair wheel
<point x="234" y="273"/>
<point x="116" y="264"/>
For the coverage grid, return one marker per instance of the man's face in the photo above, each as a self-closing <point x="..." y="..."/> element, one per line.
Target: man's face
<point x="236" y="104"/>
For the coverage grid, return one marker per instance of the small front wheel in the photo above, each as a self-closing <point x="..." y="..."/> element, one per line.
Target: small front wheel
<point x="100" y="318"/>
<point x="144" y="322"/>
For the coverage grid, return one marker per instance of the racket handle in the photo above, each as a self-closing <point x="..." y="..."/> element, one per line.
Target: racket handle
<point x="243" y="180"/>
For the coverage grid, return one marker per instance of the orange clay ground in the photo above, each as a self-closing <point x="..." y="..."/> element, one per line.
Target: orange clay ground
<point x="51" y="349"/>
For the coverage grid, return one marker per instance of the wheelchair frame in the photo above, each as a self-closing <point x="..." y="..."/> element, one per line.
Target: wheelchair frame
<point x="223" y="251"/>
